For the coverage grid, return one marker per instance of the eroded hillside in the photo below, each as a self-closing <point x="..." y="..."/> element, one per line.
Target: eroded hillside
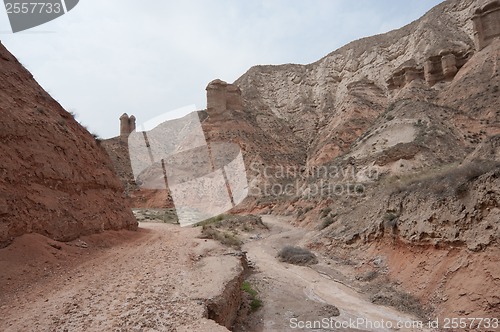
<point x="55" y="178"/>
<point x="399" y="133"/>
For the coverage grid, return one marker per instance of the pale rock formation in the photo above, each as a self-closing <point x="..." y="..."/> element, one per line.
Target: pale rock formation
<point x="486" y="23"/>
<point x="127" y="125"/>
<point x="444" y="66"/>
<point x="131" y="123"/>
<point x="223" y="97"/>
<point x="405" y="74"/>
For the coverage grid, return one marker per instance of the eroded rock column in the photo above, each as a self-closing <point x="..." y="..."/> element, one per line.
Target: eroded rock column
<point x="486" y="21"/>
<point x="223" y="97"/>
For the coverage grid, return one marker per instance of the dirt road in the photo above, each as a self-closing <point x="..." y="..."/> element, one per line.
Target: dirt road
<point x="293" y="294"/>
<point x="154" y="282"/>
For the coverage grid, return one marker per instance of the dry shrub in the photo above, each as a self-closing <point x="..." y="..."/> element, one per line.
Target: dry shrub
<point x="297" y="256"/>
<point x="387" y="295"/>
<point x="226" y="238"/>
<point x="454" y="181"/>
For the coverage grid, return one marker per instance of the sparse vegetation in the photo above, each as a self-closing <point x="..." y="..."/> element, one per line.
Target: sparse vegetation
<point x="303" y="210"/>
<point x="224" y="237"/>
<point x="387" y="295"/>
<point x="390" y="216"/>
<point x="368" y="276"/>
<point x="420" y="123"/>
<point x="297" y="256"/>
<point x="327" y="221"/>
<point x="227" y="229"/>
<point x="156" y="215"/>
<point x="255" y="302"/>
<point x="212" y="220"/>
<point x="360" y="189"/>
<point x="390" y="108"/>
<point x="41" y="110"/>
<point x="450" y="180"/>
<point x="97" y="139"/>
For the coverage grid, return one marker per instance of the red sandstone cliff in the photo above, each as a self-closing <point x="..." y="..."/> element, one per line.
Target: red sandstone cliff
<point x="54" y="177"/>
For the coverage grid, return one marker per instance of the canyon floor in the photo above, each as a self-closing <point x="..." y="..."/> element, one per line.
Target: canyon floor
<point x="160" y="279"/>
<point x="307" y="293"/>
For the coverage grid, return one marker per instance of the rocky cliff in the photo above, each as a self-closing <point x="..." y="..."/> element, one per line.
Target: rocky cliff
<point x="398" y="151"/>
<point x="419" y="98"/>
<point x="55" y="178"/>
<point x="331" y="102"/>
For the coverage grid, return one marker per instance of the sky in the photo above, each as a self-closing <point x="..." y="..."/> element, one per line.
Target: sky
<point x="109" y="57"/>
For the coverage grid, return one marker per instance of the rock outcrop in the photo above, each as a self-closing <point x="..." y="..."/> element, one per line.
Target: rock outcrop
<point x="486" y="23"/>
<point x="222" y="98"/>
<point x="127" y="125"/>
<point x="405" y="74"/>
<point x="443" y="66"/>
<point x="55" y="178"/>
<point x="435" y="69"/>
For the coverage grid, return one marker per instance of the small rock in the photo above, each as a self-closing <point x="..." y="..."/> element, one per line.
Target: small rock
<point x="55" y="246"/>
<point x="81" y="244"/>
<point x="377" y="261"/>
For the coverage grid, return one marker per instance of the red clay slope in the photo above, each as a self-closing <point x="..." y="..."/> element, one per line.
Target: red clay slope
<point x="55" y="179"/>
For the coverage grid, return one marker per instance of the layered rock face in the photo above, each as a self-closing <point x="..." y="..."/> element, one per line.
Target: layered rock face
<point x="418" y="108"/>
<point x="341" y="106"/>
<point x="55" y="178"/>
<point x="331" y="102"/>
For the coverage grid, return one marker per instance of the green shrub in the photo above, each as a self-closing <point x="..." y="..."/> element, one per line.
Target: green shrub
<point x="246" y="287"/>
<point x="255" y="302"/>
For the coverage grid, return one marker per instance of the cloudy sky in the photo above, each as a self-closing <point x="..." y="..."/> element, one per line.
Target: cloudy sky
<point x="148" y="57"/>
